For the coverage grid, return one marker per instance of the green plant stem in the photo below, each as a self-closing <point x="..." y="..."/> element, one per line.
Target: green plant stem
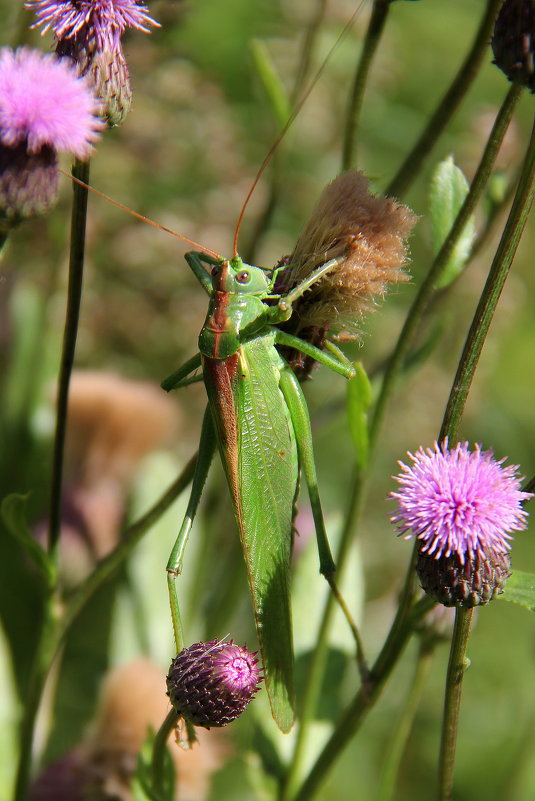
<point x="46" y="645"/>
<point x="489" y="299"/>
<point x="115" y="558"/>
<point x="366" y="697"/>
<point x="371" y="42"/>
<point x="345" y="729"/>
<point x="454" y="682"/>
<point x="427" y="288"/>
<point x="307" y="51"/>
<point x="447" y="106"/>
<point x="159" y="751"/>
<point x="56" y="624"/>
<point x="80" y="170"/>
<point x="402" y="729"/>
<point x="44" y="655"/>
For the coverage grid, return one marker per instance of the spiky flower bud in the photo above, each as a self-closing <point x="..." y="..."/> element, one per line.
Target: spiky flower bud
<point x="513" y="41"/>
<point x="211" y="683"/>
<point x="89" y="32"/>
<point x="462" y="506"/>
<point x="475" y="582"/>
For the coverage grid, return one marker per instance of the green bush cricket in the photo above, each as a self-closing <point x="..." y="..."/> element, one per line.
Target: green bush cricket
<point x="258" y="417"/>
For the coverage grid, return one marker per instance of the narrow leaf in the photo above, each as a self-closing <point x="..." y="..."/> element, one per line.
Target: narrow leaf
<point x="13" y="511"/>
<point x="359" y="397"/>
<point x="447" y="192"/>
<point x="520" y="589"/>
<point x="271" y="81"/>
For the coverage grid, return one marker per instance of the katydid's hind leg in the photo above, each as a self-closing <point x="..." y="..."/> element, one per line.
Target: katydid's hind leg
<point x="207" y="446"/>
<point x="297" y="407"/>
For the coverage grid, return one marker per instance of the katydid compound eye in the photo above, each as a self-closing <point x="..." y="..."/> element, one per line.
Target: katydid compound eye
<point x="215" y="271"/>
<point x="242" y="277"/>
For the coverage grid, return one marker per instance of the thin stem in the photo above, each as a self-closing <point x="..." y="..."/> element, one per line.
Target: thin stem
<point x="80" y="170"/>
<point x="364" y="700"/>
<point x="427" y="288"/>
<point x="399" y="632"/>
<point x="371" y="42"/>
<point x="454" y="682"/>
<point x="491" y="294"/>
<point x="129" y="540"/>
<point x="159" y="753"/>
<point x="447" y="106"/>
<point x="402" y="728"/>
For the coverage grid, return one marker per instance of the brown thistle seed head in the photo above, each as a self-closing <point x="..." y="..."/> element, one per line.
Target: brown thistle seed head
<point x="367" y="234"/>
<point x="473" y="583"/>
<point x="513" y="42"/>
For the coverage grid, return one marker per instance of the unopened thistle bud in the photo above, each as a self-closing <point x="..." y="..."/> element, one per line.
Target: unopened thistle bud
<point x="366" y="235"/>
<point x="211" y="683"/>
<point x="461" y="505"/>
<point x="44" y="108"/>
<point x="89" y="33"/>
<point x="513" y="41"/>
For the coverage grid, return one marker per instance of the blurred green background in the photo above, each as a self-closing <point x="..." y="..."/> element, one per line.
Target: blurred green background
<point x="198" y="130"/>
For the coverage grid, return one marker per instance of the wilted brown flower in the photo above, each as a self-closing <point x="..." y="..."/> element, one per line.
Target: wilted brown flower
<point x="367" y="236"/>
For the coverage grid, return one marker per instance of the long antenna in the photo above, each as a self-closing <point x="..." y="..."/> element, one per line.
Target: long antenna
<point x="299" y="105"/>
<point x="140" y="216"/>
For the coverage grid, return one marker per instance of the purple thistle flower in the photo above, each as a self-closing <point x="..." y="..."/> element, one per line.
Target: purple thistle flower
<point x="211" y="683"/>
<point x="107" y="19"/>
<point x="44" y="108"/>
<point x="459" y="502"/>
<point x="44" y="103"/>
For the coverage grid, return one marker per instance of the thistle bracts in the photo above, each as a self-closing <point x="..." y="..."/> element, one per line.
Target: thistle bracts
<point x="513" y="42"/>
<point x="461" y="505"/>
<point x="89" y="32"/>
<point x="211" y="683"/>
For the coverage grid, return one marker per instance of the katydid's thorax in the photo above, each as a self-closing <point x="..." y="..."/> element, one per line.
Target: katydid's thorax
<point x="236" y="310"/>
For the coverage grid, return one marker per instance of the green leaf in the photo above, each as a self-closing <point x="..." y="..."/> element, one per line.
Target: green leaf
<point x="359" y="398"/>
<point x="520" y="589"/>
<point x="447" y="192"/>
<point x="13" y="511"/>
<point x="270" y="79"/>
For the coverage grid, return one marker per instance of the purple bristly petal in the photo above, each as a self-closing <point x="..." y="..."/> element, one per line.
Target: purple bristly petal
<point x="44" y="103"/>
<point x="458" y="501"/>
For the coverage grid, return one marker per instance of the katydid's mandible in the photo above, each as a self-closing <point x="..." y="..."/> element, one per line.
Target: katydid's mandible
<point x="258" y="418"/>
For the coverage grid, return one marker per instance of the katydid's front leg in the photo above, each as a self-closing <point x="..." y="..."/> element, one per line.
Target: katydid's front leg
<point x="174" y="566"/>
<point x="180" y="377"/>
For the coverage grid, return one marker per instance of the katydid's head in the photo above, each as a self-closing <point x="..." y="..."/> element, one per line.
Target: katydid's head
<point x="236" y="277"/>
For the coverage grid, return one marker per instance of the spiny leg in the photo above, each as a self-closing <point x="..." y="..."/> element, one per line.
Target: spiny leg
<point x="295" y="400"/>
<point x="207" y="446"/>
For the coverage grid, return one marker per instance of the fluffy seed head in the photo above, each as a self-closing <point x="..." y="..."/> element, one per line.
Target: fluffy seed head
<point x="368" y="233"/>
<point x="459" y="502"/>
<point x="44" y="103"/>
<point x="211" y="683"/>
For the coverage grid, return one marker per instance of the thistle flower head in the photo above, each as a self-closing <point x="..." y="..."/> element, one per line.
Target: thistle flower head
<point x="106" y="20"/>
<point x="44" y="103"/>
<point x="459" y="502"/>
<point x="211" y="683"/>
<point x="44" y="108"/>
